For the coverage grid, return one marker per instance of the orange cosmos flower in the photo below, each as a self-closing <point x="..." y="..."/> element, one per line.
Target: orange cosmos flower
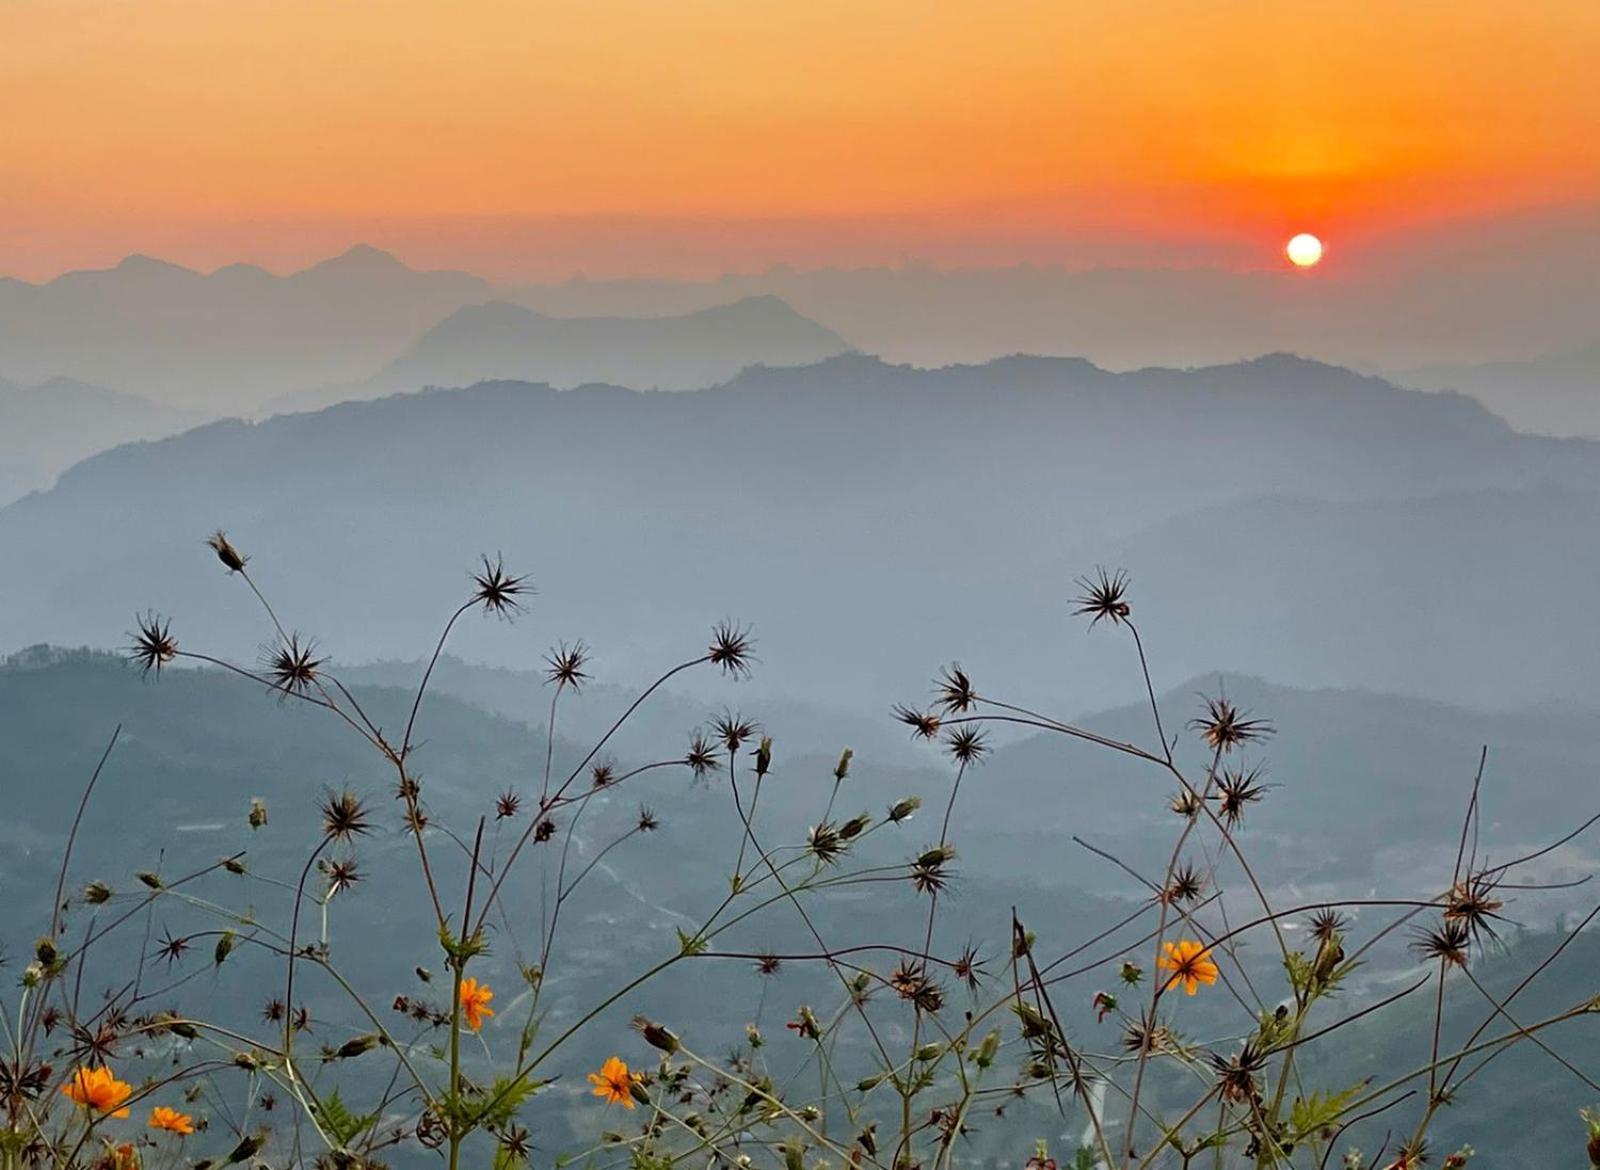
<point x="613" y="1083"/>
<point x="1190" y="964"/>
<point x="475" y="999"/>
<point x="124" y="1157"/>
<point x="171" y="1120"/>
<point x="97" y="1090"/>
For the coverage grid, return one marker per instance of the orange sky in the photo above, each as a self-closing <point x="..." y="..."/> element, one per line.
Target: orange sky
<point x="279" y="130"/>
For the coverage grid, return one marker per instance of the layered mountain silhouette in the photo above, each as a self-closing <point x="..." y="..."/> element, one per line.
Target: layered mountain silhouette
<point x="498" y="340"/>
<point x="1558" y="394"/>
<point x="222" y="342"/>
<point x="46" y="428"/>
<point x="1279" y="516"/>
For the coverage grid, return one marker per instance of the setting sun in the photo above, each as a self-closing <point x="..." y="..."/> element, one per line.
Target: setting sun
<point x="1304" y="250"/>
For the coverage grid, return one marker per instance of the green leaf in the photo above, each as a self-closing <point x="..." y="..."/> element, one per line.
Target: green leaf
<point x="339" y="1123"/>
<point x="1320" y="1110"/>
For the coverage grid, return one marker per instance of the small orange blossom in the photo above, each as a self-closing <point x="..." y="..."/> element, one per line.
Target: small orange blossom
<point x="1190" y="964"/>
<point x="613" y="1083"/>
<point x="97" y="1090"/>
<point x="171" y="1120"/>
<point x="475" y="999"/>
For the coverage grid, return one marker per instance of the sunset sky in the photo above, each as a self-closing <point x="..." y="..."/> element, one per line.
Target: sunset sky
<point x="535" y="139"/>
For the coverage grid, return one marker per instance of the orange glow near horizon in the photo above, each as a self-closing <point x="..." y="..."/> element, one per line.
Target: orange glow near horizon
<point x="271" y="129"/>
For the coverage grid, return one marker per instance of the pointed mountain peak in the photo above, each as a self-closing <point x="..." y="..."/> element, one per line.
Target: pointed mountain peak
<point x="361" y="260"/>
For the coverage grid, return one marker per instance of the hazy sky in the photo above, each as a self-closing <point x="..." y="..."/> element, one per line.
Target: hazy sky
<point x="824" y="131"/>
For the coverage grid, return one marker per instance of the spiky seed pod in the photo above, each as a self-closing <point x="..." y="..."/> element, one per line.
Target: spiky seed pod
<point x="507" y="805"/>
<point x="1186" y="803"/>
<point x="602" y="775"/>
<point x="701" y="756"/>
<point x="564" y="665"/>
<point x="954" y="690"/>
<point x="732" y="648"/>
<point x="1236" y="1075"/>
<point x="1327" y="924"/>
<point x="232" y="558"/>
<point x="1473" y="903"/>
<point x="1236" y="790"/>
<point x="764" y="756"/>
<point x="1447" y="942"/>
<point x="966" y="745"/>
<point x="824" y="843"/>
<point x="1224" y="726"/>
<point x="1185" y="885"/>
<point x="343" y="874"/>
<point x="258" y="813"/>
<point x="1103" y="597"/>
<point x="968" y="967"/>
<point x="544" y="830"/>
<point x="291" y="666"/>
<point x="344" y="816"/>
<point x="842" y="768"/>
<point x="923" y="724"/>
<point x="152" y="645"/>
<point x="497" y="591"/>
<point x="647" y="820"/>
<point x="733" y="729"/>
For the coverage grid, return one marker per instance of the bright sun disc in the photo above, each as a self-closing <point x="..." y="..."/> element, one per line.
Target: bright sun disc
<point x="1304" y="250"/>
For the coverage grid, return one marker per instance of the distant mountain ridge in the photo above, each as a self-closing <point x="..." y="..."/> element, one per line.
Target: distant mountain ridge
<point x="1558" y="394"/>
<point x="46" y="428"/>
<point x="500" y="340"/>
<point x="1281" y="515"/>
<point x="225" y="340"/>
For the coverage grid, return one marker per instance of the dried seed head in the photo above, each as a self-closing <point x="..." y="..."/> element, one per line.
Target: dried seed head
<point x="1103" y="596"/>
<point x="1186" y="803"/>
<point x="1237" y="1075"/>
<point x="733" y="730"/>
<point x="1185" y="885"/>
<point x="1472" y="902"/>
<point x="1236" y="789"/>
<point x="701" y="756"/>
<point x="565" y="665"/>
<point x="954" y="690"/>
<point x="344" y="816"/>
<point x="342" y="875"/>
<point x="1326" y="925"/>
<point x="226" y="553"/>
<point x="904" y="809"/>
<point x="153" y="645"/>
<point x="647" y="820"/>
<point x="291" y="665"/>
<point x="1447" y="942"/>
<point x="655" y="1034"/>
<point x="498" y="591"/>
<point x="966" y="745"/>
<point x="507" y="805"/>
<point x="923" y="724"/>
<point x="1225" y="727"/>
<point x="732" y="648"/>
